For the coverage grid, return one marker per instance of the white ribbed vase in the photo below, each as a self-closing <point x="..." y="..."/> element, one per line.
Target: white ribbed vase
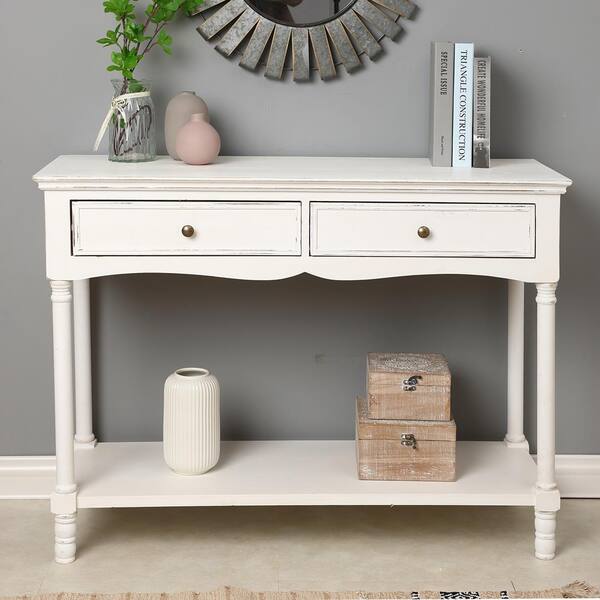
<point x="192" y="424"/>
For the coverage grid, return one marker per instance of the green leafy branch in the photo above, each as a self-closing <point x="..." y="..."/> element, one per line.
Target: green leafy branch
<point x="133" y="38"/>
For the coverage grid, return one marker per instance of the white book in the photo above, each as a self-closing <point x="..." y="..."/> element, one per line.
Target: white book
<point x="462" y="137"/>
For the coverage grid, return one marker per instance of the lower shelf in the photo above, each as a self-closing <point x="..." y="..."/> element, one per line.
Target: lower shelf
<point x="284" y="473"/>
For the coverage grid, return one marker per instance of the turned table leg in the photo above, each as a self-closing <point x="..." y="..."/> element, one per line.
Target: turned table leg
<point x="515" y="437"/>
<point x="547" y="495"/>
<point x="63" y="501"/>
<point x="84" y="435"/>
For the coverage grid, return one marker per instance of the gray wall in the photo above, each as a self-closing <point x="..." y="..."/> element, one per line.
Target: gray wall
<point x="290" y="354"/>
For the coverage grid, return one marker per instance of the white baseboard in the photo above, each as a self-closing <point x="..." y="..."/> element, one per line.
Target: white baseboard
<point x="578" y="475"/>
<point x="26" y="477"/>
<point x="32" y="477"/>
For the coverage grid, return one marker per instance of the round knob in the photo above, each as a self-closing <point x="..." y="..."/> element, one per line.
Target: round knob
<point x="423" y="231"/>
<point x="187" y="231"/>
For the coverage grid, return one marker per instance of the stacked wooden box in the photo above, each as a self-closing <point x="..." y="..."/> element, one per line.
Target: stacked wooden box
<point x="404" y="427"/>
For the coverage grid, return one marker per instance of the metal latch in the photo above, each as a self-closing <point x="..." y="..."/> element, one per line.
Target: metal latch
<point x="410" y="384"/>
<point x="409" y="440"/>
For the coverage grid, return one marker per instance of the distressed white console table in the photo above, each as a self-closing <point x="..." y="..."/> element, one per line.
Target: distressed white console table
<point x="269" y="218"/>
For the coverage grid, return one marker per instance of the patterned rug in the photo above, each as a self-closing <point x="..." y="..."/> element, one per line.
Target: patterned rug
<point x="576" y="589"/>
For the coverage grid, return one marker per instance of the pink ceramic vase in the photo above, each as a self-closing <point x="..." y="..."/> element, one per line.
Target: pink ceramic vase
<point x="179" y="111"/>
<point x="198" y="142"/>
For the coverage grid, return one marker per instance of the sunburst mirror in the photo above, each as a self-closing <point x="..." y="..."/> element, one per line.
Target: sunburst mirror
<point x="304" y="34"/>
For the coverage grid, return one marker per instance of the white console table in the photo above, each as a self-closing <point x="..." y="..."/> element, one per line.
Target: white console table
<point x="269" y="218"/>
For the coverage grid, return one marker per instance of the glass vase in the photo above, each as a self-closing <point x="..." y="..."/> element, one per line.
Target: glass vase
<point x="132" y="132"/>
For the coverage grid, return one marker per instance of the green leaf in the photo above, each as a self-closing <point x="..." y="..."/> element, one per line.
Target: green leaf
<point x="117" y="58"/>
<point x="190" y="6"/>
<point x="162" y="15"/>
<point x="134" y="32"/>
<point x="125" y="59"/>
<point x="120" y="8"/>
<point x="173" y="5"/>
<point x="162" y="11"/>
<point x="135" y="86"/>
<point x="111" y="38"/>
<point x="164" y="40"/>
<point x="129" y="34"/>
<point x="130" y="61"/>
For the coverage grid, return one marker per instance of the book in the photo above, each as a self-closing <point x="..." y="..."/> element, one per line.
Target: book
<point x="481" y="112"/>
<point x="442" y="89"/>
<point x="462" y="126"/>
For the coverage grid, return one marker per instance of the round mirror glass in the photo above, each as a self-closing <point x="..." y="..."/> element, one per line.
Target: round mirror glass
<point x="299" y="13"/>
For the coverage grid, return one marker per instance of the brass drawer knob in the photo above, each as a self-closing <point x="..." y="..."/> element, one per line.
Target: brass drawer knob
<point x="423" y="231"/>
<point x="187" y="231"/>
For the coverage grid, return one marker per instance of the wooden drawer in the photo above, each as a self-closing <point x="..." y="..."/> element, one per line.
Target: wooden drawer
<point x="390" y="229"/>
<point x="155" y="228"/>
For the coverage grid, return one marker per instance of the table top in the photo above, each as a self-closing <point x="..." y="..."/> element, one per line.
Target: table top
<point x="95" y="172"/>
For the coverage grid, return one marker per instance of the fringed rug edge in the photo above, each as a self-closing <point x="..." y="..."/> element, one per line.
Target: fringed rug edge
<point x="576" y="589"/>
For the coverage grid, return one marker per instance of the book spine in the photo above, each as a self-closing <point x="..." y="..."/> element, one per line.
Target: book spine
<point x="481" y="112"/>
<point x="442" y="89"/>
<point x="462" y="137"/>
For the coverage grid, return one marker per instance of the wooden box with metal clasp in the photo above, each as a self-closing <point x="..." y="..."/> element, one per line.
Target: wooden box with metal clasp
<point x="404" y="450"/>
<point x="408" y="386"/>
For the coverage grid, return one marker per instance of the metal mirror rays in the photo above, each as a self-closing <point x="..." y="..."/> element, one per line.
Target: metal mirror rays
<point x="321" y="34"/>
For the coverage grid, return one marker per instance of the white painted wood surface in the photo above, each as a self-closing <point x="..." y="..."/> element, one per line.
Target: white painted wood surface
<point x="62" y="315"/>
<point x="65" y="530"/>
<point x="511" y="245"/>
<point x="515" y="436"/>
<point x="277" y="473"/>
<point x="155" y="228"/>
<point x="82" y="345"/>
<point x="61" y="262"/>
<point x="525" y="183"/>
<point x="32" y="477"/>
<point x="281" y="173"/>
<point x="63" y="500"/>
<point x="390" y="229"/>
<point x="548" y="496"/>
